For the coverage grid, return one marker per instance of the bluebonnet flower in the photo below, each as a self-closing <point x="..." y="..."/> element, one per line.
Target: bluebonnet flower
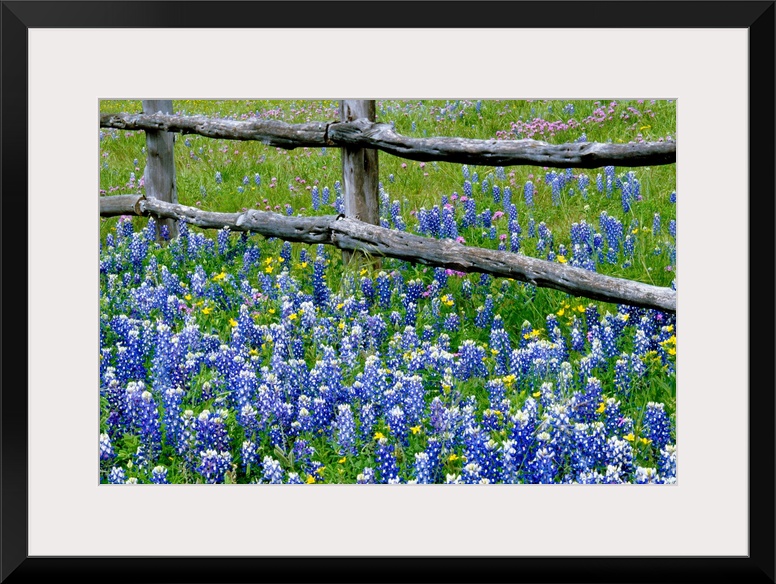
<point x="619" y="454"/>
<point x="384" y="290"/>
<point x="214" y="465"/>
<point x="346" y="430"/>
<point x="528" y="193"/>
<point x="117" y="476"/>
<point x="449" y="228"/>
<point x="622" y="375"/>
<point x="471" y="474"/>
<point x="667" y="463"/>
<point x="106" y="448"/>
<point x="531" y="227"/>
<point x="144" y="417"/>
<point x="609" y="176"/>
<point x="469" y="211"/>
<point x="272" y="471"/>
<point x="452" y="322"/>
<point x="587" y="448"/>
<point x="646" y="476"/>
<point x="397" y="423"/>
<point x="555" y="188"/>
<point x="367" y="477"/>
<point x="470" y="360"/>
<point x="249" y="453"/>
<point x="507" y="198"/>
<point x="219" y="178"/>
<point x="485" y="218"/>
<point x="657" y="425"/>
<point x="672" y="197"/>
<point x="294" y="479"/>
<point x="501" y="349"/>
<point x="316" y="202"/>
<point x="656" y="224"/>
<point x="159" y="475"/>
<point x="211" y="431"/>
<point x="423" y="468"/>
<point x="321" y="291"/>
<point x="543" y="468"/>
<point x="484" y="315"/>
<point x="609" y="342"/>
<point x="386" y="461"/>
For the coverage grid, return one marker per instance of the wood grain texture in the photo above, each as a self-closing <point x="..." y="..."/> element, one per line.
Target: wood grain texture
<point x="350" y="234"/>
<point x="360" y="173"/>
<point x="363" y="133"/>
<point x="159" y="176"/>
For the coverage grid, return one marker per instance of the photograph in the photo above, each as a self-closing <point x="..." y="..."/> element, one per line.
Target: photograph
<point x="462" y="291"/>
<point x="424" y="257"/>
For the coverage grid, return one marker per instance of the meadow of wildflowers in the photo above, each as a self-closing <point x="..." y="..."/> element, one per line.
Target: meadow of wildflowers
<point x="231" y="358"/>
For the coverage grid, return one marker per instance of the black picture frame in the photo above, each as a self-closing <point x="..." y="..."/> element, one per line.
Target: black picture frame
<point x="19" y="16"/>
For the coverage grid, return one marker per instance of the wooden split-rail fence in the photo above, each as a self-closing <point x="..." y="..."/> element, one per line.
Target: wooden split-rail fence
<point x="357" y="231"/>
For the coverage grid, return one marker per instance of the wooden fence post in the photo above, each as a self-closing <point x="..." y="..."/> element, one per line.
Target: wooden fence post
<point x="359" y="171"/>
<point x="159" y="174"/>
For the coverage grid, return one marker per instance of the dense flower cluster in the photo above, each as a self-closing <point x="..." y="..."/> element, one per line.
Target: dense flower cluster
<point x="222" y="361"/>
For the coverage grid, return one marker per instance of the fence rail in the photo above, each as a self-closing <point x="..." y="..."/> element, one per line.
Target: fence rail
<point x="362" y="133"/>
<point x="357" y="231"/>
<point x="353" y="235"/>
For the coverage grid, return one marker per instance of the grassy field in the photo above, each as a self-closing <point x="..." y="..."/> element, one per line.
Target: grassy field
<point x="228" y="358"/>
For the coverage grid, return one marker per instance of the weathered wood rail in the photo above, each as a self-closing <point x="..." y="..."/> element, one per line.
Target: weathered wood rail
<point x="350" y="234"/>
<point x="363" y="133"/>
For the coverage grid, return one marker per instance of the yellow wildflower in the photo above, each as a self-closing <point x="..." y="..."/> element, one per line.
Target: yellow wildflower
<point x="310" y="479"/>
<point x="629" y="437"/>
<point x="207" y="310"/>
<point x="187" y="297"/>
<point x="268" y="269"/>
<point x="342" y="460"/>
<point x="453" y="457"/>
<point x="219" y="277"/>
<point x="319" y="470"/>
<point x="292" y="316"/>
<point x="601" y="408"/>
<point x="562" y="259"/>
<point x="415" y="429"/>
<point x="232" y="322"/>
<point x="645" y="441"/>
<point x="379" y="435"/>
